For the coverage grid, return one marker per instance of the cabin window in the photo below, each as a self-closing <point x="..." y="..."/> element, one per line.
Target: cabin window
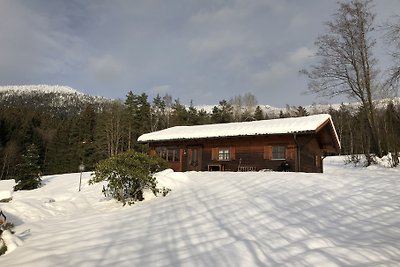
<point x="278" y="152"/>
<point x="168" y="153"/>
<point x="223" y="154"/>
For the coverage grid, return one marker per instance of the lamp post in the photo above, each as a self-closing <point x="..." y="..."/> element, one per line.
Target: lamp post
<point x="81" y="169"/>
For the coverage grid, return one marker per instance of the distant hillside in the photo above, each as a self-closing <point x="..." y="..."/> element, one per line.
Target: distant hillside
<point x="50" y="97"/>
<point x="66" y="98"/>
<point x="43" y="89"/>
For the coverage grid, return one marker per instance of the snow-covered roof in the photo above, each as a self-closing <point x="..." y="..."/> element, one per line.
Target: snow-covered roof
<point x="263" y="127"/>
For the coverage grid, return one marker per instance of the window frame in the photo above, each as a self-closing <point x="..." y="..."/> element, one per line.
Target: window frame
<point x="169" y="153"/>
<point x="279" y="154"/>
<point x="224" y="154"/>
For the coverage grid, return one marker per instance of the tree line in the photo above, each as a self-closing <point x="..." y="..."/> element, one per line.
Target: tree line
<point x="59" y="140"/>
<point x="81" y="130"/>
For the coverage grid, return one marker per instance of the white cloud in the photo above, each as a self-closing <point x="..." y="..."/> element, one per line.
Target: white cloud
<point x="301" y="55"/>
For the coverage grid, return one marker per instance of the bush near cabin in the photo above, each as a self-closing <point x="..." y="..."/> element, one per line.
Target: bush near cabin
<point x="128" y="175"/>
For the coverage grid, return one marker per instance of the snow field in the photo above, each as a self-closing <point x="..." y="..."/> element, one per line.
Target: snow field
<point x="347" y="216"/>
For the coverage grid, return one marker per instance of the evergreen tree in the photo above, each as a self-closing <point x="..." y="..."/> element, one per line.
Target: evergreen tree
<point x="193" y="118"/>
<point x="84" y="138"/>
<point x="28" y="170"/>
<point x="222" y="113"/>
<point x="301" y="112"/>
<point x="158" y="114"/>
<point x="180" y="115"/>
<point x="203" y="117"/>
<point x="137" y="117"/>
<point x="282" y="115"/>
<point x="258" y="114"/>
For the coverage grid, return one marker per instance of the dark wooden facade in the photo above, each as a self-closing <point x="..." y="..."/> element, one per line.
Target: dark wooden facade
<point x="302" y="151"/>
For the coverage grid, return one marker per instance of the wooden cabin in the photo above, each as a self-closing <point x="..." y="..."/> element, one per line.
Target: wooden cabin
<point x="299" y="143"/>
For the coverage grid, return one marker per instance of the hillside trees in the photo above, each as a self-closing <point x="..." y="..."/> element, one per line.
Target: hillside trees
<point x="92" y="131"/>
<point x="346" y="64"/>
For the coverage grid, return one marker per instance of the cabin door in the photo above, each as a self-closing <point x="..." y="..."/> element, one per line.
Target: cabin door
<point x="194" y="156"/>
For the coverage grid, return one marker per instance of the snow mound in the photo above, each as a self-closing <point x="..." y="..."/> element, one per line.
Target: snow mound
<point x="11" y="241"/>
<point x="6" y="189"/>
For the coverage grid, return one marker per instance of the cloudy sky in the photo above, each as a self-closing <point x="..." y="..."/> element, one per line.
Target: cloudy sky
<point x="199" y="50"/>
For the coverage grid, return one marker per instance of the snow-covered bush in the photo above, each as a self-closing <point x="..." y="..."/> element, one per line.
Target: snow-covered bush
<point x="358" y="160"/>
<point x="128" y="175"/>
<point x="5" y="232"/>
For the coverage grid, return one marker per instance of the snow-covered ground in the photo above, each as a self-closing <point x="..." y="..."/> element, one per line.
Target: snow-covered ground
<point x="345" y="217"/>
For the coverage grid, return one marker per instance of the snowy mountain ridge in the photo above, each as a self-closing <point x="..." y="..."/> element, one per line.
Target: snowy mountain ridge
<point x="55" y="97"/>
<point x="311" y="109"/>
<point x="64" y="93"/>
<point x="41" y="88"/>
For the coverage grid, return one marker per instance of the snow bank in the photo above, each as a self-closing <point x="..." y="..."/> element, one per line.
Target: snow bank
<point x="346" y="216"/>
<point x="6" y="189"/>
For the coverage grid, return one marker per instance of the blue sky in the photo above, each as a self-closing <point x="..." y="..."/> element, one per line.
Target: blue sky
<point x="203" y="50"/>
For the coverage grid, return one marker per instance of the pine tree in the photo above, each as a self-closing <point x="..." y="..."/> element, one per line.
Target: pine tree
<point x="192" y="114"/>
<point x="158" y="114"/>
<point x="180" y="115"/>
<point x="222" y="113"/>
<point x="258" y="114"/>
<point x="28" y="176"/>
<point x="137" y="117"/>
<point x="301" y="112"/>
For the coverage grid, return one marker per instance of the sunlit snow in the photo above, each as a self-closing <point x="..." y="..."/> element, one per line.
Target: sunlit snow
<point x="41" y="88"/>
<point x="347" y="216"/>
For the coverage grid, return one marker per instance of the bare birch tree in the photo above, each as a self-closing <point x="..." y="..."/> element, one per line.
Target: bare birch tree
<point x="346" y="65"/>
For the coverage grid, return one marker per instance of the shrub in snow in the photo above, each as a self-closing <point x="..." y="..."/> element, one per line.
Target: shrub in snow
<point x="5" y="233"/>
<point x="389" y="161"/>
<point x="128" y="175"/>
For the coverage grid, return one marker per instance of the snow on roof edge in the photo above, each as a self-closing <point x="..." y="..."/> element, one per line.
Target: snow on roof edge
<point x="234" y="129"/>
